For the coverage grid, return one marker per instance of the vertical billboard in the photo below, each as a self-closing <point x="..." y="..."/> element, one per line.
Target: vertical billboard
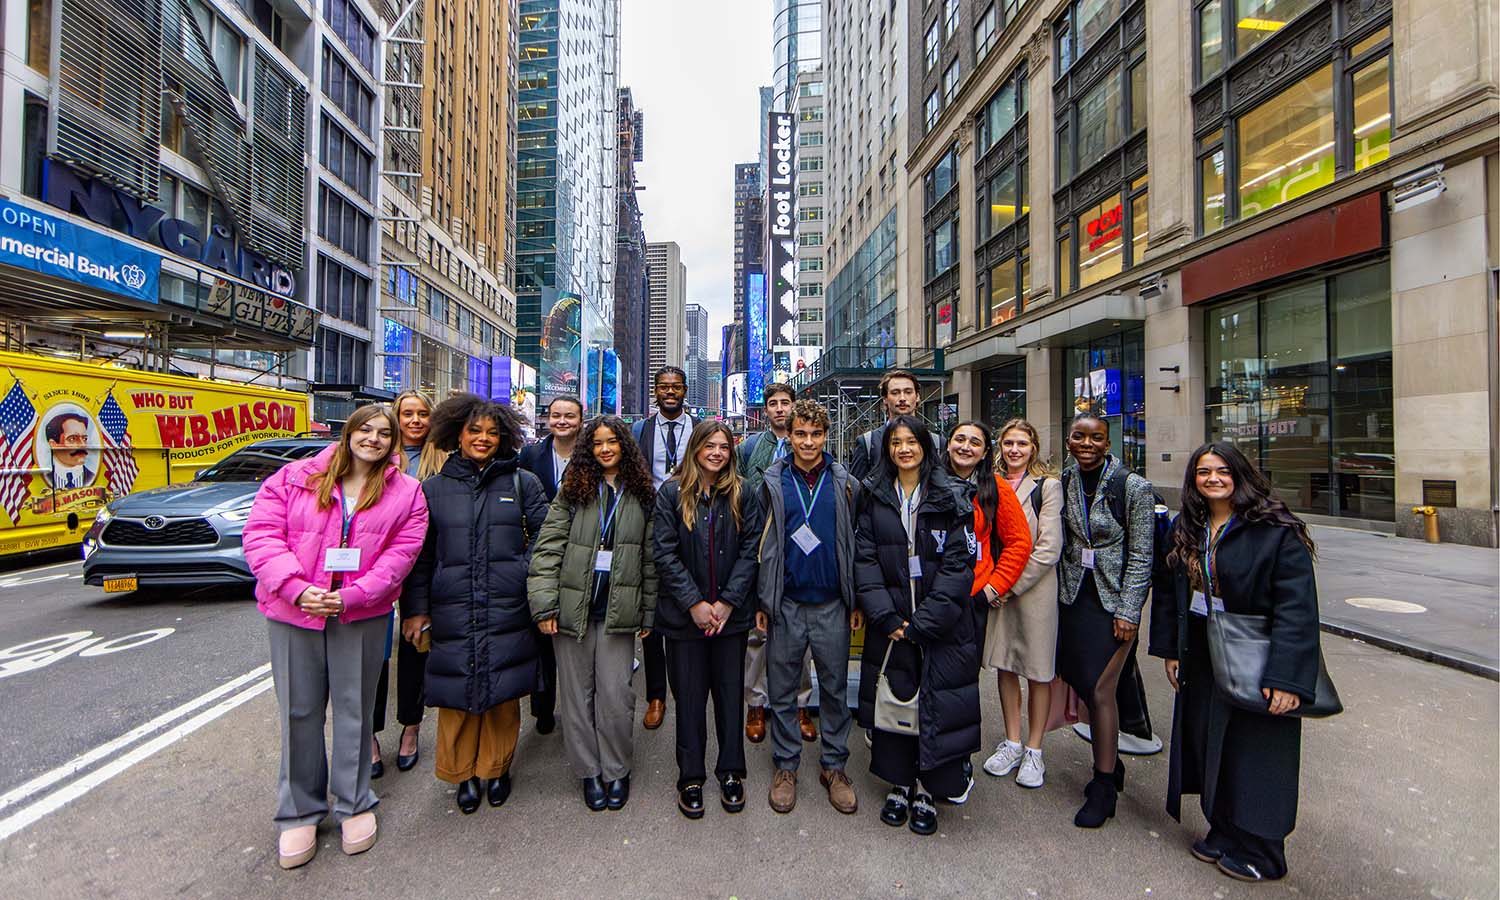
<point x="758" y="361"/>
<point x="781" y="233"/>
<point x="561" y="356"/>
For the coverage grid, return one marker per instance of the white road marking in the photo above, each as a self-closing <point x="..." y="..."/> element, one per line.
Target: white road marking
<point x="25" y="582"/>
<point x="29" y="815"/>
<point x="79" y="763"/>
<point x="24" y="572"/>
<point x="1382" y="604"/>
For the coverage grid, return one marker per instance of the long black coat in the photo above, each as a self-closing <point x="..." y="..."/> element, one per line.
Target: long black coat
<point x="941" y="625"/>
<point x="471" y="579"/>
<point x="682" y="561"/>
<point x="1245" y="765"/>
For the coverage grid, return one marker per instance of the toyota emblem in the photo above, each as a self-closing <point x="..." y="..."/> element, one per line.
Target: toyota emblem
<point x="154" y="523"/>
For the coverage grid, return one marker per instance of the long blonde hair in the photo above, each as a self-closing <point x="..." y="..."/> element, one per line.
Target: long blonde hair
<point x="692" y="480"/>
<point x="430" y="460"/>
<point x="1037" y="467"/>
<point x="342" y="462"/>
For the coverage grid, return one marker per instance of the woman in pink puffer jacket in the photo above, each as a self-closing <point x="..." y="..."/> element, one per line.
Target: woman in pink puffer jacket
<point x="330" y="539"/>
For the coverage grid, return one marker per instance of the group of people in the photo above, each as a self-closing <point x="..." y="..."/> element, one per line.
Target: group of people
<point x="740" y="572"/>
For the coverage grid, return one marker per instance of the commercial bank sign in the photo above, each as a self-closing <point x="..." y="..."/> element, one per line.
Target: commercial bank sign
<point x="114" y="209"/>
<point x="52" y="246"/>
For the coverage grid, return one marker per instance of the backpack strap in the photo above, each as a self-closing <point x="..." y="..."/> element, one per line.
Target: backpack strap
<point x="1115" y="493"/>
<point x="1036" y="497"/>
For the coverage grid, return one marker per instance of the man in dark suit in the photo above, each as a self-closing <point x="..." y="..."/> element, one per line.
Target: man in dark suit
<point x="663" y="439"/>
<point x="900" y="392"/>
<point x="548" y="459"/>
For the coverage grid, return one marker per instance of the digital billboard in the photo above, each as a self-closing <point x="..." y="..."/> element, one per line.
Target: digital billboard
<point x="561" y="345"/>
<point x="781" y="230"/>
<point x="734" y="395"/>
<point x="758" y="362"/>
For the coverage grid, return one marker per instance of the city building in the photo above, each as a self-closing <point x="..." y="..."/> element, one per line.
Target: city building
<point x="631" y="296"/>
<point x="1301" y="260"/>
<point x="666" y="277"/>
<point x="798" y="48"/>
<point x="173" y="156"/>
<point x="447" y="312"/>
<point x="566" y="192"/>
<point x="696" y="355"/>
<point x="812" y="222"/>
<point x="749" y="238"/>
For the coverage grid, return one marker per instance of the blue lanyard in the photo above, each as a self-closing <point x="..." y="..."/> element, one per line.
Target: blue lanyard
<point x="810" y="501"/>
<point x="347" y="519"/>
<point x="606" y="521"/>
<point x="1210" y="547"/>
<point x="1088" y="531"/>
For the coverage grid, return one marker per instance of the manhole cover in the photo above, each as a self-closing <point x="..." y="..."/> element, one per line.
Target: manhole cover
<point x="1381" y="604"/>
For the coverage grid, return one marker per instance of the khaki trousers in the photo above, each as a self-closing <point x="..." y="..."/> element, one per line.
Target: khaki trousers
<point x="477" y="745"/>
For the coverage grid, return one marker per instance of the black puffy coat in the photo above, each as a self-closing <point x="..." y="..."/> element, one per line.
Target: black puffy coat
<point x="942" y="625"/>
<point x="471" y="579"/>
<point x="1246" y="764"/>
<point x="682" y="561"/>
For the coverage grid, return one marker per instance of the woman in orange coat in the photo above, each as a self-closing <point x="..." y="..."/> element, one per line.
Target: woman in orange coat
<point x="1003" y="536"/>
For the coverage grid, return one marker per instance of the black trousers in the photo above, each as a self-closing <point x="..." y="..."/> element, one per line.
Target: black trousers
<point x="653" y="648"/>
<point x="544" y="698"/>
<point x="1267" y="855"/>
<point x="703" y="668"/>
<point x="411" y="672"/>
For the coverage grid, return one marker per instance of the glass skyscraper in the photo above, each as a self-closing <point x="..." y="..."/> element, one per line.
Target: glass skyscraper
<point x="799" y="46"/>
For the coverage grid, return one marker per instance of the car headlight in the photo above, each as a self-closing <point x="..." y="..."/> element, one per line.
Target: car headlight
<point x="237" y="515"/>
<point x="102" y="517"/>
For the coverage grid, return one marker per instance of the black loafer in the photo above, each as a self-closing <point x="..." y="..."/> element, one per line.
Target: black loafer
<point x="498" y="790"/>
<point x="468" y="796"/>
<point x="1239" y="871"/>
<point x="617" y="793"/>
<point x="690" y="801"/>
<point x="1202" y="851"/>
<point x="731" y="793"/>
<point x="593" y="793"/>
<point x="923" y="815"/>
<point x="895" y="810"/>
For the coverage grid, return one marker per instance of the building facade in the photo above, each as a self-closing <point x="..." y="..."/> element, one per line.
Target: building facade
<point x="696" y="355"/>
<point x="812" y="210"/>
<point x="798" y="47"/>
<point x="1272" y="224"/>
<point x="667" y="279"/>
<point x="749" y="242"/>
<point x="631" y="295"/>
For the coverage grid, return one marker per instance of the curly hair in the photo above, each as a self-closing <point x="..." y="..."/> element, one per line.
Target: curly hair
<point x="1253" y="500"/>
<point x="810" y="411"/>
<point x="584" y="474"/>
<point x="454" y="414"/>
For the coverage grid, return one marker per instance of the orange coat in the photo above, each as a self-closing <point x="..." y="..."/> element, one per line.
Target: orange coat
<point x="1015" y="540"/>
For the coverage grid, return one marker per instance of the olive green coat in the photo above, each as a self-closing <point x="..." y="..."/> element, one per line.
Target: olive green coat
<point x="561" y="579"/>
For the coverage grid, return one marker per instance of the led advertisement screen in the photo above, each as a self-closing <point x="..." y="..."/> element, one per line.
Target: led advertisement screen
<point x="781" y="231"/>
<point x="561" y="345"/>
<point x="758" y="363"/>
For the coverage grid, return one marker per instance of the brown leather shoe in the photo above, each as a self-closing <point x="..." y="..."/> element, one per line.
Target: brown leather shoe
<point x="784" y="790"/>
<point x="809" y="725"/>
<point x="755" y="724"/>
<point x="656" y="711"/>
<point x="840" y="791"/>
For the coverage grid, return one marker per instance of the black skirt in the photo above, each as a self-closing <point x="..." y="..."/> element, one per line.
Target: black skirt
<point x="1085" y="639"/>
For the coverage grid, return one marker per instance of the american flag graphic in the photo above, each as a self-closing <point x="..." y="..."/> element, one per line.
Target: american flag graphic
<point x="17" y="454"/>
<point x="119" y="459"/>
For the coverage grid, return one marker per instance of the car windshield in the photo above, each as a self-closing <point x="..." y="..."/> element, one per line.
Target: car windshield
<point x="246" y="465"/>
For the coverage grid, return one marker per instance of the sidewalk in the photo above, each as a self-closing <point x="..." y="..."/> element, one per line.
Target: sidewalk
<point x="1456" y="590"/>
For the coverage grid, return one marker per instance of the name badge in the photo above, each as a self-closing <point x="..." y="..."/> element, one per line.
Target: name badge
<point x="341" y="559"/>
<point x="603" y="560"/>
<point x="1199" y="607"/>
<point x="914" y="566"/>
<point x="804" y="538"/>
<point x="1088" y="557"/>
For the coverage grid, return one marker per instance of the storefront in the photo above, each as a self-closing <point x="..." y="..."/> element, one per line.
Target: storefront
<point x="1106" y="376"/>
<point x="1002" y="394"/>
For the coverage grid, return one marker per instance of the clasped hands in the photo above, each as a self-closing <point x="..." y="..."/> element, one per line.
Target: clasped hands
<point x="315" y="601"/>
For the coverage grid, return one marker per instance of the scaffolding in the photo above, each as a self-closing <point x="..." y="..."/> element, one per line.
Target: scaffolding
<point x="846" y="379"/>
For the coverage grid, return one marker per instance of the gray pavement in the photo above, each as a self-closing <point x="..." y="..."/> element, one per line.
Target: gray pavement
<point x="1447" y="596"/>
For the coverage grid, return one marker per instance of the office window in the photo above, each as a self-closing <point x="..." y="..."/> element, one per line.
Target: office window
<point x="339" y="358"/>
<point x="984" y="33"/>
<point x="225" y="44"/>
<point x="345" y="158"/>
<point x="1006" y="108"/>
<point x="941" y="178"/>
<point x="342" y="292"/>
<point x="343" y="224"/>
<point x="1286" y="145"/>
<point x="931" y="108"/>
<point x="346" y="21"/>
<point x="950" y="82"/>
<point x="930" y="46"/>
<point x="941" y="248"/>
<point x="950" y="18"/>
<point x="347" y="91"/>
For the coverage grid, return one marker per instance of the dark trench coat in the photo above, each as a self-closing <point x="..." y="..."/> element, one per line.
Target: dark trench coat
<point x="1245" y="765"/>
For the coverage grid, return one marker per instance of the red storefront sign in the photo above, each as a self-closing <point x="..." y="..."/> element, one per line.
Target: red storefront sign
<point x="1106" y="228"/>
<point x="1346" y="229"/>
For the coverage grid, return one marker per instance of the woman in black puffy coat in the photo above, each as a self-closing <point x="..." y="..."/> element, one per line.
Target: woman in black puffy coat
<point x="469" y="589"/>
<point x="914" y="568"/>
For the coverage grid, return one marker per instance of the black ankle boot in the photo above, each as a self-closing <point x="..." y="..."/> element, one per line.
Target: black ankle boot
<point x="468" y="796"/>
<point x="1099" y="801"/>
<point x="1119" y="775"/>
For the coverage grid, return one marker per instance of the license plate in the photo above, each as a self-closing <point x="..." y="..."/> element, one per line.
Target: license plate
<point x="118" y="585"/>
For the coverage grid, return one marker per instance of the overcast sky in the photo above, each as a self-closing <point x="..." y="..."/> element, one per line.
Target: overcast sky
<point x="695" y="68"/>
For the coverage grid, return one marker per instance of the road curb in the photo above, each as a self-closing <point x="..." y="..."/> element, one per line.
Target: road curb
<point x="1426" y="654"/>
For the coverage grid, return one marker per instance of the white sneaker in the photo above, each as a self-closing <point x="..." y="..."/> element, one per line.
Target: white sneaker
<point x="1004" y="760"/>
<point x="1032" y="771"/>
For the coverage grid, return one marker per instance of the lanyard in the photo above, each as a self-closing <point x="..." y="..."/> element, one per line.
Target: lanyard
<point x="346" y="517"/>
<point x="1211" y="546"/>
<point x="605" y="521"/>
<point x="810" y="501"/>
<point x="909" y="515"/>
<point x="1088" y="531"/>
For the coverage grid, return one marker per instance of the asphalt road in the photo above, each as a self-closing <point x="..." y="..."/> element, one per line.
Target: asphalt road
<point x="1399" y="795"/>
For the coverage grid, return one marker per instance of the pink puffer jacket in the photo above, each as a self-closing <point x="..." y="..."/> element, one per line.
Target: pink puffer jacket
<point x="286" y="536"/>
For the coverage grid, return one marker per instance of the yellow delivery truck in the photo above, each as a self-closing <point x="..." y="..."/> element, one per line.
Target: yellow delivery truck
<point x="74" y="436"/>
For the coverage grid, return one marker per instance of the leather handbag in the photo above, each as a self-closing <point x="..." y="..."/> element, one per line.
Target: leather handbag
<point x="892" y="714"/>
<point x="1239" y="646"/>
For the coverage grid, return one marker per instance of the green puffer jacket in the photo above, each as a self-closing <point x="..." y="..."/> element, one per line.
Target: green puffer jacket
<point x="562" y="568"/>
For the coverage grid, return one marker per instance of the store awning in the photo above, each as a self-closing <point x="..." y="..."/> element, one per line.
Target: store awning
<point x="1093" y="318"/>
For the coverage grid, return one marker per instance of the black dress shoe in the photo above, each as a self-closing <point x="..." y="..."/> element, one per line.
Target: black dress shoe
<point x="546" y="724"/>
<point x="593" y="793"/>
<point x="896" y="807"/>
<point x="1240" y="870"/>
<point x="377" y="769"/>
<point x="731" y="793"/>
<point x="498" y="790"/>
<point x="468" y="796"/>
<point x="407" y="763"/>
<point x="1202" y="851"/>
<point x="690" y="801"/>
<point x="923" y="815"/>
<point x="618" y="792"/>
